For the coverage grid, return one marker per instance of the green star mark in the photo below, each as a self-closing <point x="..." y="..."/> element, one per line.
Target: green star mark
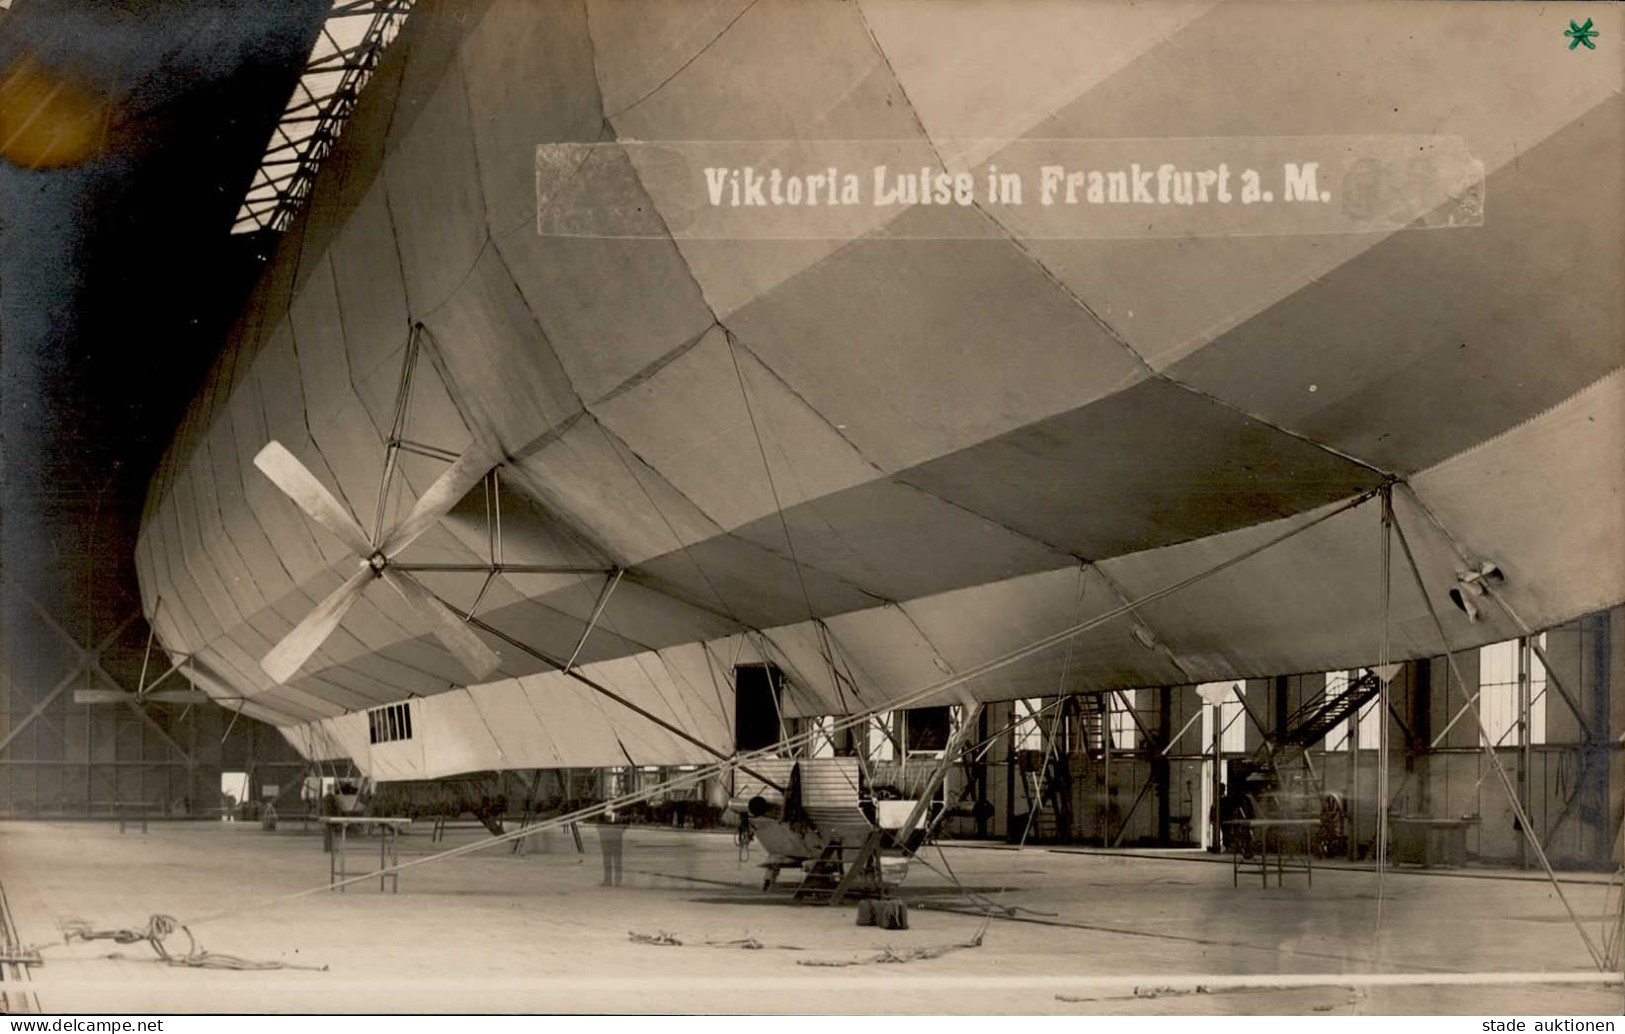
<point x="1579" y="34"/>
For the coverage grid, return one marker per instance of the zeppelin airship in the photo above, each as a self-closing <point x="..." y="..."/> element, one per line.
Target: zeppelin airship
<point x="531" y="440"/>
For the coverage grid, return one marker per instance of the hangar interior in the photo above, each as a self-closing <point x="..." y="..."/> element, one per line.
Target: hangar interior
<point x="1262" y="652"/>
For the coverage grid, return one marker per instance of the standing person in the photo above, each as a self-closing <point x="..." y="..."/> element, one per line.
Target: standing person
<point x="611" y="834"/>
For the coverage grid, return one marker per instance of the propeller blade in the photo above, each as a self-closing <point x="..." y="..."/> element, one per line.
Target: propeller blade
<point x="101" y="696"/>
<point x="288" y="656"/>
<point x="437" y="501"/>
<point x="311" y="496"/>
<point x="451" y="630"/>
<point x="178" y="696"/>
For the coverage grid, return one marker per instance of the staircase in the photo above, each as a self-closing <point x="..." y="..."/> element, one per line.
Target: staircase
<point x="1318" y="716"/>
<point x="1092" y="720"/>
<point x="1308" y="725"/>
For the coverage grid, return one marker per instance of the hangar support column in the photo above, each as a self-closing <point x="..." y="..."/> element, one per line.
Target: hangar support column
<point x="1602" y="753"/>
<point x="1417" y="764"/>
<point x="1161" y="769"/>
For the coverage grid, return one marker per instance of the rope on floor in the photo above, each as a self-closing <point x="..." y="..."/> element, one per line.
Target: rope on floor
<point x="752" y="944"/>
<point x="977" y="899"/>
<point x="887" y="955"/>
<point x="157" y="930"/>
<point x="890" y="956"/>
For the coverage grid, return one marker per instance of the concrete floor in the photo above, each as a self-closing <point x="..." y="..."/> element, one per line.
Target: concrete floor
<point x="1107" y="933"/>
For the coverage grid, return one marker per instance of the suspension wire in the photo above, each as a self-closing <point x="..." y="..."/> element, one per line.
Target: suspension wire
<point x="789" y="542"/>
<point x="1494" y="759"/>
<point x="1032" y="813"/>
<point x="496" y="498"/>
<point x="1004" y="660"/>
<point x="1382" y="707"/>
<point x="1066" y="661"/>
<point x="1495" y="596"/>
<point x="824" y="648"/>
<point x="1053" y="740"/>
<point x="1055" y="723"/>
<point x="606" y="692"/>
<point x="1043" y="771"/>
<point x="397" y="429"/>
<point x="742" y="760"/>
<point x="882" y="708"/>
<point x="493" y="522"/>
<point x="987" y="917"/>
<point x="772" y="485"/>
<point x="682" y="546"/>
<point x="913" y="855"/>
<point x="844" y="676"/>
<point x="983" y="745"/>
<point x="771" y="653"/>
<point x="711" y="666"/>
<point x="862" y="755"/>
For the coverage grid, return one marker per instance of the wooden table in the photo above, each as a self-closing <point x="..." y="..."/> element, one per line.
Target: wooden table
<point x="388" y="830"/>
<point x="1429" y="842"/>
<point x="141" y="810"/>
<point x="1284" y="836"/>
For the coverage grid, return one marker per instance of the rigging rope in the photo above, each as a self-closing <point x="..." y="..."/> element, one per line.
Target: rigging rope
<point x="1489" y="752"/>
<point x="772" y="485"/>
<point x="158" y="929"/>
<point x="1383" y="801"/>
<point x="787" y="744"/>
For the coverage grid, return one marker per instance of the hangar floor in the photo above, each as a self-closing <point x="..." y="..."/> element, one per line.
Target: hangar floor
<point x="495" y="931"/>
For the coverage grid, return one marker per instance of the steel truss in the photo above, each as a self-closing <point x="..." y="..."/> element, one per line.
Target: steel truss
<point x="344" y="57"/>
<point x="86" y="665"/>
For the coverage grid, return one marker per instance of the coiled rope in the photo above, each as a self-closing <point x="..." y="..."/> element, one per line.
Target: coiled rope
<point x="161" y="927"/>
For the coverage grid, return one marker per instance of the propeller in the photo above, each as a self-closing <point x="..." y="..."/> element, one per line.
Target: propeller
<point x="376" y="558"/>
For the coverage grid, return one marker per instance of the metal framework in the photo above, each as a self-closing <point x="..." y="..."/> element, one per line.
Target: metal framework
<point x="79" y="737"/>
<point x="85" y="771"/>
<point x="343" y="59"/>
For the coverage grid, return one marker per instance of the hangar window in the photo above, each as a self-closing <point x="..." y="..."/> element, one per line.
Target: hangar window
<point x="822" y="744"/>
<point x="1029" y="733"/>
<point x="1371" y="725"/>
<point x="880" y="740"/>
<point x="1337" y="683"/>
<point x="1125" y="734"/>
<point x="389" y="723"/>
<point x="1369" y="722"/>
<point x="1233" y="740"/>
<point x="1498" y="666"/>
<point x="1233" y="737"/>
<point x="233" y="792"/>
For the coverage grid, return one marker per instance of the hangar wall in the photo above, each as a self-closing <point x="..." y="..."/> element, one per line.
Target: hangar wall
<point x="1574" y="791"/>
<point x="61" y="759"/>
